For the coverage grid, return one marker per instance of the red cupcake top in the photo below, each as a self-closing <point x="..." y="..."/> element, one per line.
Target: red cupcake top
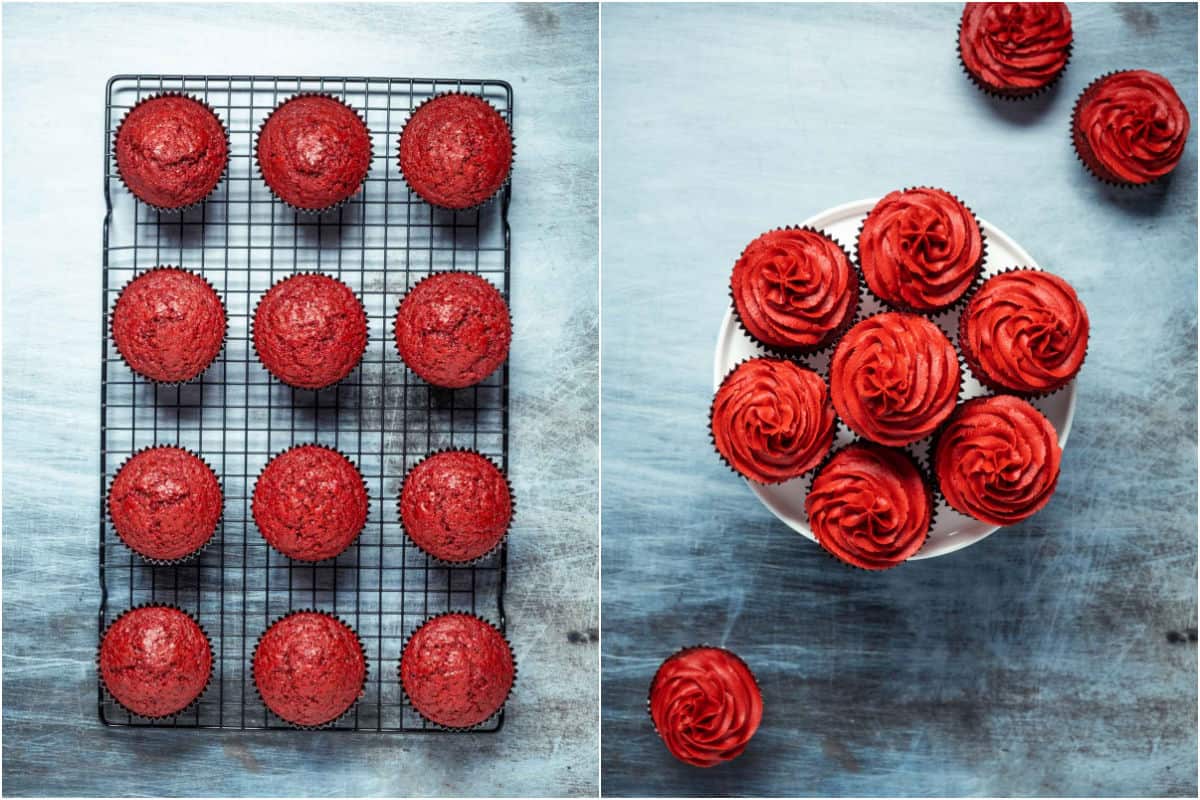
<point x="314" y="152"/>
<point x="171" y="151"/>
<point x="165" y="503"/>
<point x="453" y="329"/>
<point x="1024" y="331"/>
<point x="168" y="324"/>
<point x="772" y="420"/>
<point x="870" y="507"/>
<point x="1130" y="127"/>
<point x="1015" y="49"/>
<point x="998" y="459"/>
<point x="920" y="249"/>
<point x="456" y="151"/>
<point x="309" y="668"/>
<point x="456" y="505"/>
<point x="310" y="331"/>
<point x="457" y="670"/>
<point x="155" y="660"/>
<point x="310" y="503"/>
<point x="705" y="705"/>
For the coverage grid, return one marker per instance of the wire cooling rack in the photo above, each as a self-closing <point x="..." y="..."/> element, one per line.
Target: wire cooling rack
<point x="237" y="416"/>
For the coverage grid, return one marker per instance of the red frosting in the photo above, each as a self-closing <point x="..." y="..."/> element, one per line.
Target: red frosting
<point x="894" y="378"/>
<point x="920" y="249"/>
<point x="1130" y="127"/>
<point x="168" y="324"/>
<point x="1015" y="49"/>
<point x="453" y="329"/>
<point x="171" y="151"/>
<point x="165" y="503"/>
<point x="870" y="507"/>
<point x="456" y="151"/>
<point x="155" y="660"/>
<point x="457" y="670"/>
<point x="309" y="668"/>
<point x="455" y="506"/>
<point x="310" y="331"/>
<point x="314" y="152"/>
<point x="998" y="459"/>
<point x="705" y="705"/>
<point x="1024" y="331"/>
<point x="794" y="289"/>
<point x="772" y="420"/>
<point x="310" y="503"/>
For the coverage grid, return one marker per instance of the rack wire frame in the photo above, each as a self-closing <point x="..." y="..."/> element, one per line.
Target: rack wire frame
<point x="236" y="415"/>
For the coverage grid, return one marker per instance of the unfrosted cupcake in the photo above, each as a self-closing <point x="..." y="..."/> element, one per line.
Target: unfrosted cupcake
<point x="155" y="660"/>
<point x="171" y="151"/>
<point x="456" y="506"/>
<point x="1015" y="49"/>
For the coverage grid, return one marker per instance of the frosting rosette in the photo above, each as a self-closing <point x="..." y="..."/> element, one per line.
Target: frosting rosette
<point x="894" y="378"/>
<point x="1015" y="49"/>
<point x="870" y="507"/>
<point x="1024" y="331"/>
<point x="920" y="249"/>
<point x="1130" y="127"/>
<point x="997" y="459"/>
<point x="772" y="420"/>
<point x="705" y="705"/>
<point x="794" y="289"/>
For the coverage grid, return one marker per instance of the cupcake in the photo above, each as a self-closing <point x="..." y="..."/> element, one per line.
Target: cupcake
<point x="706" y="705"/>
<point x="456" y="151"/>
<point x="314" y="152"/>
<point x="1014" y="50"/>
<point x="155" y="661"/>
<point x="309" y="668"/>
<point x="310" y="331"/>
<point x="168" y="324"/>
<point x="920" y="249"/>
<point x="894" y="378"/>
<point x="171" y="151"/>
<point x="997" y="460"/>
<point x="457" y="670"/>
<point x="453" y="329"/>
<point x="310" y="502"/>
<point x="456" y="506"/>
<point x="165" y="503"/>
<point x="1024" y="331"/>
<point x="794" y="289"/>
<point x="870" y="507"/>
<point x="1130" y="127"/>
<point x="771" y="420"/>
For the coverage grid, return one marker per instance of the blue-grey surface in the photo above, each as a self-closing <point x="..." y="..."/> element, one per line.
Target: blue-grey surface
<point x="56" y="60"/>
<point x="1056" y="657"/>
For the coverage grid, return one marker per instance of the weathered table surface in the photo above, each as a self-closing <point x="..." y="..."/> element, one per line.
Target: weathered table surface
<point x="1056" y="657"/>
<point x="56" y="60"/>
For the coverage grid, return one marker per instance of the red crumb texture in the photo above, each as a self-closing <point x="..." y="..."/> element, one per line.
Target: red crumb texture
<point x="456" y="151"/>
<point x="168" y="324"/>
<point x="309" y="668"/>
<point x="456" y="506"/>
<point x="171" y="151"/>
<point x="165" y="503"/>
<point x="155" y="661"/>
<point x="457" y="670"/>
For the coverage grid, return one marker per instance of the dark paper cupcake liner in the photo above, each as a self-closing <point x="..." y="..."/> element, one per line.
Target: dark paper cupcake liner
<point x="1079" y="145"/>
<point x="681" y="651"/>
<point x="1012" y="96"/>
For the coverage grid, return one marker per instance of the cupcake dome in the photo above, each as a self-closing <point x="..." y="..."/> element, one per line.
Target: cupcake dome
<point x="171" y="151"/>
<point x="155" y="661"/>
<point x="705" y="705"/>
<point x="456" y="506"/>
<point x="1015" y="49"/>
<point x="794" y="289"/>
<point x="309" y="668"/>
<point x="1024" y="331"/>
<point x="168" y="324"/>
<point x="165" y="503"/>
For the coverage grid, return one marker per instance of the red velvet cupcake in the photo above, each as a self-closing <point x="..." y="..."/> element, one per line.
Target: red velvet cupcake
<point x="310" y="503"/>
<point x="309" y="668"/>
<point x="456" y="506"/>
<point x="314" y="152"/>
<point x="456" y="151"/>
<point x="706" y="705"/>
<point x="997" y="460"/>
<point x="155" y="661"/>
<point x="165" y="504"/>
<point x="1024" y="331"/>
<point x="310" y="331"/>
<point x="457" y="670"/>
<point x="1015" y="49"/>
<point x="794" y="289"/>
<point x="453" y="329"/>
<point x="168" y="324"/>
<point x="171" y="151"/>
